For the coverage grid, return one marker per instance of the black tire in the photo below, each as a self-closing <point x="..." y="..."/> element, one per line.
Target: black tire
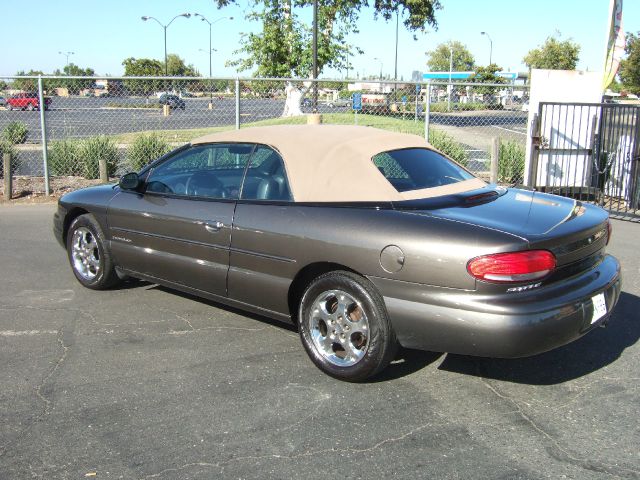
<point x="9" y="107"/>
<point x="101" y="273"/>
<point x="30" y="107"/>
<point x="380" y="345"/>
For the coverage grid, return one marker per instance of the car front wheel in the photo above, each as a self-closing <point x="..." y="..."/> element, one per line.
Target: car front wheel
<point x="89" y="256"/>
<point x="344" y="327"/>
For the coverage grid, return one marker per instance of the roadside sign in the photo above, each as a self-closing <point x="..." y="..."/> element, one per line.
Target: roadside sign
<point x="356" y="100"/>
<point x="404" y="99"/>
<point x="418" y="88"/>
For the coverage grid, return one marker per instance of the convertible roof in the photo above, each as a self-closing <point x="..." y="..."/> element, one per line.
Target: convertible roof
<point x="333" y="163"/>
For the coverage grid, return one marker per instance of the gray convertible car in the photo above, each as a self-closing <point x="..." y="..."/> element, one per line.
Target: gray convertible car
<point x="366" y="239"/>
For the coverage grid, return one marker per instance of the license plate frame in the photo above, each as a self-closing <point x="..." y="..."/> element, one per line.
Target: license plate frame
<point x="599" y="307"/>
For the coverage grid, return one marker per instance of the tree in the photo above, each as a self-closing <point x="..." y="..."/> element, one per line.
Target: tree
<point x="487" y="75"/>
<point x="284" y="47"/>
<point x="74" y="86"/>
<point x="629" y="71"/>
<point x="142" y="67"/>
<point x="440" y="57"/>
<point x="26" y="84"/>
<point x="176" y="67"/>
<point x="554" y="55"/>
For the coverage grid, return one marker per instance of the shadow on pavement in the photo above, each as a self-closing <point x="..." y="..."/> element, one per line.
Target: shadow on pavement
<point x="595" y="350"/>
<point x="592" y="352"/>
<point x="405" y="363"/>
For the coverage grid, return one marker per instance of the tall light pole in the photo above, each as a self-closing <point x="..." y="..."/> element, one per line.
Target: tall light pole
<point x="145" y="18"/>
<point x="378" y="60"/>
<point x="315" y="56"/>
<point x="67" y="54"/>
<point x="490" y="46"/>
<point x="395" y="71"/>
<point x="450" y="72"/>
<point x="211" y="49"/>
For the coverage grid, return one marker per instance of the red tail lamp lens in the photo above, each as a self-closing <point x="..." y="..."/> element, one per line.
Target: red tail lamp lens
<point x="513" y="267"/>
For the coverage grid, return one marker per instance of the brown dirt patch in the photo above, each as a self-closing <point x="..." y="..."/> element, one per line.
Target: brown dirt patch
<point x="31" y="189"/>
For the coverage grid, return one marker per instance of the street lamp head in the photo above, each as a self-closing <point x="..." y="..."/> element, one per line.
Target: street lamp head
<point x="483" y="33"/>
<point x="186" y="15"/>
<point x="145" y="18"/>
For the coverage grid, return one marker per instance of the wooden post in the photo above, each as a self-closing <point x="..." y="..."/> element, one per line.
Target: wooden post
<point x="495" y="157"/>
<point x="102" y="166"/>
<point x="6" y="161"/>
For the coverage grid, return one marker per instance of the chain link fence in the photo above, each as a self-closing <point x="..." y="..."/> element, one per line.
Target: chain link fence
<point x="127" y="122"/>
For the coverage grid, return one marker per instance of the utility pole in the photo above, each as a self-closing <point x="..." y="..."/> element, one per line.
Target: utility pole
<point x="315" y="56"/>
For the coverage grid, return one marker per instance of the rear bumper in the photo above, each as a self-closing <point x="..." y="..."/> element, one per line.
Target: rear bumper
<point x="508" y="325"/>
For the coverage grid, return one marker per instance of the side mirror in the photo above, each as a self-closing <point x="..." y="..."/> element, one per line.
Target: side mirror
<point x="129" y="181"/>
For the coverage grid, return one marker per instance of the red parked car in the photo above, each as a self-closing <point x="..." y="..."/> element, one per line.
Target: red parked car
<point x="26" y="101"/>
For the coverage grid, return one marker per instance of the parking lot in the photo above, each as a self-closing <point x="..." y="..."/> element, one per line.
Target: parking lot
<point x="142" y="382"/>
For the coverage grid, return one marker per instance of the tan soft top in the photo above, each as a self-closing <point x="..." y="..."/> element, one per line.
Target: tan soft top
<point x="333" y="163"/>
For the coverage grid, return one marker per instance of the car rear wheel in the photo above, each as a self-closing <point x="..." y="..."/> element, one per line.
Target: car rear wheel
<point x="344" y="326"/>
<point x="89" y="256"/>
<point x="9" y="107"/>
<point x="30" y="107"/>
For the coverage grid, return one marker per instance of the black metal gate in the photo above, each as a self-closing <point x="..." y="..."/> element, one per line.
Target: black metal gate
<point x="590" y="152"/>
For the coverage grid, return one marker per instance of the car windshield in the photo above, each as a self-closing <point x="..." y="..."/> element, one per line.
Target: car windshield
<point x="417" y="168"/>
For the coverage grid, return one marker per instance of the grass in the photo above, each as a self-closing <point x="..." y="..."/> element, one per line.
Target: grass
<point x="438" y="139"/>
<point x="442" y="107"/>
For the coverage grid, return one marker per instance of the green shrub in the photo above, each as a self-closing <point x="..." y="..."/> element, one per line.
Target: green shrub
<point x="92" y="150"/>
<point x="15" y="133"/>
<point x="447" y="145"/>
<point x="511" y="163"/>
<point x="145" y="149"/>
<point x="64" y="158"/>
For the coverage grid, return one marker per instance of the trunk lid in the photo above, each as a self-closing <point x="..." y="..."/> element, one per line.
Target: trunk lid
<point x="575" y="232"/>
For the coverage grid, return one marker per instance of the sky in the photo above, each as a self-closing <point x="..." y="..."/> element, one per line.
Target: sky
<point x="102" y="34"/>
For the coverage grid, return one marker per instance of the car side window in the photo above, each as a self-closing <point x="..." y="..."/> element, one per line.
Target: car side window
<point x="266" y="177"/>
<point x="203" y="171"/>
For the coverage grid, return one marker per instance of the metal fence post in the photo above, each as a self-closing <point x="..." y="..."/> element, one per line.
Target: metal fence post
<point x="43" y="129"/>
<point x="495" y="158"/>
<point x="8" y="188"/>
<point x="427" y="112"/>
<point x="237" y="103"/>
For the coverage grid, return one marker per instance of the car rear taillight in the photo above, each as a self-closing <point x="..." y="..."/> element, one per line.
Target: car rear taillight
<point x="512" y="267"/>
<point x="609" y="231"/>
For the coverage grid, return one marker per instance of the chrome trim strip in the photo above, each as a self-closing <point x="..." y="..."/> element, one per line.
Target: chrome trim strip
<point x="166" y="237"/>
<point x="262" y="255"/>
<point x="204" y="244"/>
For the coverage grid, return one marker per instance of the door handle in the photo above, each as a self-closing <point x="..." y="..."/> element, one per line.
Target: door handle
<point x="213" y="227"/>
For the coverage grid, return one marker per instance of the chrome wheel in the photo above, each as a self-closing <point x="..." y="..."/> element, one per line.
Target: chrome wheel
<point x="339" y="328"/>
<point x="85" y="253"/>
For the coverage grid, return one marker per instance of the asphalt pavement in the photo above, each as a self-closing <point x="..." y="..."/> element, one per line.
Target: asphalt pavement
<point x="142" y="382"/>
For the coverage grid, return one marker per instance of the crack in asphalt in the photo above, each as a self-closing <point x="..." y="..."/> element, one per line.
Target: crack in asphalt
<point x="224" y="464"/>
<point x="61" y="359"/>
<point x="38" y="391"/>
<point x="564" y="455"/>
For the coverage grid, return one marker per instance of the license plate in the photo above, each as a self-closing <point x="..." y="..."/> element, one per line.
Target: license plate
<point x="599" y="307"/>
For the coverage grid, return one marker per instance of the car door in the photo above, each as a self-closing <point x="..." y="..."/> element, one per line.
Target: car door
<point x="178" y="226"/>
<point x="261" y="263"/>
